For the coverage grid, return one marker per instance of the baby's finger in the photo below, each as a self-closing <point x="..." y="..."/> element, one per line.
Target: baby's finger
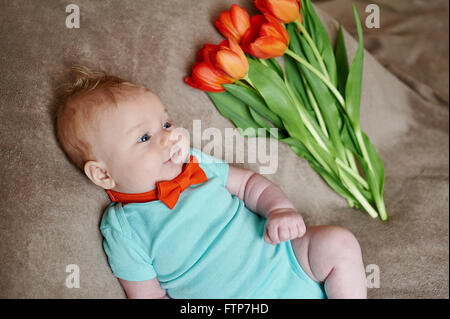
<point x="293" y="232"/>
<point x="266" y="237"/>
<point x="284" y="233"/>
<point x="273" y="234"/>
<point x="301" y="228"/>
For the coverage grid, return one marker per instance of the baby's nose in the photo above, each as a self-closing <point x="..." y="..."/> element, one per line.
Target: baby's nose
<point x="169" y="138"/>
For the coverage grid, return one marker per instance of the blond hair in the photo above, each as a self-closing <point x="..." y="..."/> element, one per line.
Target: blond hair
<point x="81" y="104"/>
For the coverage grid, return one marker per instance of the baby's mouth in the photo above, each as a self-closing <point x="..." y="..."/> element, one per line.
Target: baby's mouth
<point x="175" y="155"/>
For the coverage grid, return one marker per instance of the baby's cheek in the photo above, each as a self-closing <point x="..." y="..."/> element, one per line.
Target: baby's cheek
<point x="134" y="170"/>
<point x="144" y="176"/>
<point x="129" y="172"/>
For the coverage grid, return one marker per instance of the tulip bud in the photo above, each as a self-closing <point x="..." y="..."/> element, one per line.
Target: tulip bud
<point x="234" y="23"/>
<point x="231" y="59"/>
<point x="217" y="65"/>
<point x="266" y="38"/>
<point x="285" y="11"/>
<point x="206" y="78"/>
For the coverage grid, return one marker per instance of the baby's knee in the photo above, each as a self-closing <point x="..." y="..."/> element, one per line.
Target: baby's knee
<point x="342" y="241"/>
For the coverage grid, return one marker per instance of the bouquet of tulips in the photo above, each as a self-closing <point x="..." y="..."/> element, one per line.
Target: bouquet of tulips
<point x="313" y="101"/>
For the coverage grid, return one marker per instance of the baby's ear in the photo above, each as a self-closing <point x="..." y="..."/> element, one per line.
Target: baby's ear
<point x="99" y="175"/>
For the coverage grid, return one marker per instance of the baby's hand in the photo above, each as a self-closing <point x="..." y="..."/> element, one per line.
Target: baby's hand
<point x="282" y="225"/>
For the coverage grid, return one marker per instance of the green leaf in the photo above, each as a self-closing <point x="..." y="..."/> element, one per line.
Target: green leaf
<point x="369" y="174"/>
<point x="348" y="137"/>
<point x="260" y="120"/>
<point x="325" y="159"/>
<point x="328" y="108"/>
<point x="308" y="53"/>
<point x="307" y="21"/>
<point x="236" y="111"/>
<point x="333" y="182"/>
<point x="377" y="165"/>
<point x="292" y="71"/>
<point x="298" y="148"/>
<point x="330" y="179"/>
<point x="341" y="61"/>
<point x="274" y="65"/>
<point x="365" y="192"/>
<point x="255" y="101"/>
<point x="311" y="123"/>
<point x="320" y="156"/>
<point x="276" y="95"/>
<point x="296" y="82"/>
<point x="374" y="176"/>
<point x="274" y="92"/>
<point x="354" y="81"/>
<point x="322" y="41"/>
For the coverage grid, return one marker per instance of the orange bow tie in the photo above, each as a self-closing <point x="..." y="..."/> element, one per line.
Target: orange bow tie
<point x="167" y="192"/>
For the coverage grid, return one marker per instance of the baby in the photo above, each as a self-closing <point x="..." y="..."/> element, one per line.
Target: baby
<point x="183" y="224"/>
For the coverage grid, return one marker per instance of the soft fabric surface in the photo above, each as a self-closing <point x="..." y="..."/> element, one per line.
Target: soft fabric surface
<point x="410" y="41"/>
<point x="51" y="211"/>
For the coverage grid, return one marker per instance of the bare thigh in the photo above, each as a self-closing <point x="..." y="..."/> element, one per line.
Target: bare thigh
<point x="318" y="249"/>
<point x="331" y="255"/>
<point x="301" y="248"/>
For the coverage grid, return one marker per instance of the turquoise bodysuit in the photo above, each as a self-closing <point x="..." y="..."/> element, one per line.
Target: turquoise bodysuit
<point x="208" y="246"/>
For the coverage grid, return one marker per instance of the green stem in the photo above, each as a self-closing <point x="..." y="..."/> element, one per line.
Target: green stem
<point x="361" y="199"/>
<point x="246" y="78"/>
<point x="315" y="107"/>
<point x="353" y="170"/>
<point x="362" y="146"/>
<point x="263" y="61"/>
<point x="378" y="199"/>
<point x="352" y="163"/>
<point x="316" y="136"/>
<point x="318" y="158"/>
<point x="345" y="167"/>
<point x="239" y="82"/>
<point x="313" y="47"/>
<point x="349" y="156"/>
<point x="351" y="160"/>
<point x="350" y="203"/>
<point x="309" y="126"/>
<point x="304" y="119"/>
<point x="381" y="207"/>
<point x="319" y="75"/>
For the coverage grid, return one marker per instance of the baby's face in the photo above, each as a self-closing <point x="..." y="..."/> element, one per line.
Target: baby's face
<point x="139" y="145"/>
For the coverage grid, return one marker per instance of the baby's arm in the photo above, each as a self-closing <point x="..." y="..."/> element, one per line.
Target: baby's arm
<point x="147" y="289"/>
<point x="266" y="199"/>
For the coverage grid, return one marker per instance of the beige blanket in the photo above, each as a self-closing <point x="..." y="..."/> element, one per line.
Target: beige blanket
<point x="51" y="212"/>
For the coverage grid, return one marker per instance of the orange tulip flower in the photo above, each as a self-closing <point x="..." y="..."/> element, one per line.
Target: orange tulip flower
<point x="234" y="23"/>
<point x="266" y="38"/>
<point x="285" y="11"/>
<point x="204" y="75"/>
<point x="217" y="65"/>
<point x="231" y="59"/>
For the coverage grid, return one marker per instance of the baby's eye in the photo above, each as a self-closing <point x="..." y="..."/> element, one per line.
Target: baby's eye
<point x="144" y="138"/>
<point x="167" y="124"/>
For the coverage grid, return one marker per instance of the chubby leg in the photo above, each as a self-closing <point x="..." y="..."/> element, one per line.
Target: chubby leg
<point x="331" y="255"/>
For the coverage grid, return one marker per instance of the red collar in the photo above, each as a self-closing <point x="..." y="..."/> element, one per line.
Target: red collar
<point x="165" y="191"/>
